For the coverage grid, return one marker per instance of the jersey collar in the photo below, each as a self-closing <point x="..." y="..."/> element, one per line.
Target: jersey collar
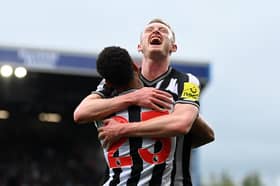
<point x="150" y="83"/>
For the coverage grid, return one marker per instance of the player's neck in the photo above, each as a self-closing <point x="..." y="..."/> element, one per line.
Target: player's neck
<point x="135" y="84"/>
<point x="152" y="69"/>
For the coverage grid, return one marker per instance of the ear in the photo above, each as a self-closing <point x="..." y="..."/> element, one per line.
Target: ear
<point x="173" y="48"/>
<point x="139" y="48"/>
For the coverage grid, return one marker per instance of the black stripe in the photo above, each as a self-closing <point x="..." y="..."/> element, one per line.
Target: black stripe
<point x="186" y="160"/>
<point x="106" y="174"/>
<point x="117" y="172"/>
<point x="165" y="83"/>
<point x="158" y="169"/>
<point x="135" y="144"/>
<point x="116" y="177"/>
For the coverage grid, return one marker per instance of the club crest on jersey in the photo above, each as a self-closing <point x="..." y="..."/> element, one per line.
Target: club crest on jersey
<point x="190" y="92"/>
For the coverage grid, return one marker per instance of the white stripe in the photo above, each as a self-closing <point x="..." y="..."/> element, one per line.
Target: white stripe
<point x="166" y="178"/>
<point x="193" y="79"/>
<point x="158" y="84"/>
<point x="146" y="175"/>
<point x="173" y="86"/>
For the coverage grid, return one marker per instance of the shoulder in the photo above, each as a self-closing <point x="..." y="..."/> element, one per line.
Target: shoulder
<point x="187" y="77"/>
<point x="193" y="79"/>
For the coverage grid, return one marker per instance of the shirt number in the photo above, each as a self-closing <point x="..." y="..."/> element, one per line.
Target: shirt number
<point x="149" y="157"/>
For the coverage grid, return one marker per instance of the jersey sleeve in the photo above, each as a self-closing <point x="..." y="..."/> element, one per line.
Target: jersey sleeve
<point x="189" y="90"/>
<point x="103" y="90"/>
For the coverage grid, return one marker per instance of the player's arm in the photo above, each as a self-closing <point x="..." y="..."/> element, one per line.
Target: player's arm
<point x="94" y="107"/>
<point x="179" y="122"/>
<point x="201" y="133"/>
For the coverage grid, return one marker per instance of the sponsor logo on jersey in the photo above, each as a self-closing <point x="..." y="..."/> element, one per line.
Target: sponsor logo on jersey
<point x="191" y="92"/>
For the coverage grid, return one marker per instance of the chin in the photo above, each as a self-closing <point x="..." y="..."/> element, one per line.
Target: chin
<point x="156" y="49"/>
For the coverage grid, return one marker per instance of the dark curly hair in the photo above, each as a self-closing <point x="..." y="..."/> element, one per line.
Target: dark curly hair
<point x="115" y="65"/>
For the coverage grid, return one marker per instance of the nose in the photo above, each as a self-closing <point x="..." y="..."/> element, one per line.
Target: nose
<point x="156" y="31"/>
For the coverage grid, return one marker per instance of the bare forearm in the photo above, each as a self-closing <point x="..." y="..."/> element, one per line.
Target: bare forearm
<point x="94" y="107"/>
<point x="153" y="128"/>
<point x="177" y="123"/>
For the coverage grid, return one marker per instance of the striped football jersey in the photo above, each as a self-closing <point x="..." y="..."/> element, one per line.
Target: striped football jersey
<point x="139" y="161"/>
<point x="185" y="89"/>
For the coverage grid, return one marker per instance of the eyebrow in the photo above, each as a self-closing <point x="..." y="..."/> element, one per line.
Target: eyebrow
<point x="163" y="26"/>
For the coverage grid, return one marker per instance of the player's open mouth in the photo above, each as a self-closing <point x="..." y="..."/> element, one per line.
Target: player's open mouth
<point x="155" y="40"/>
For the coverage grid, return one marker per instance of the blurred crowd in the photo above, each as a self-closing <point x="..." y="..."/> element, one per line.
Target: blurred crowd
<point x="47" y="163"/>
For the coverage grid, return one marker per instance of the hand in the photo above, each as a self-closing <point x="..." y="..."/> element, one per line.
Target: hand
<point x="153" y="98"/>
<point x="109" y="133"/>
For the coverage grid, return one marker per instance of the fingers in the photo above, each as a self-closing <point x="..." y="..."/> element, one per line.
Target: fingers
<point x="101" y="135"/>
<point x="164" y="96"/>
<point x="154" y="98"/>
<point x="160" y="105"/>
<point x="156" y="107"/>
<point x="105" y="143"/>
<point x="162" y="100"/>
<point x="106" y="121"/>
<point x="105" y="140"/>
<point x="153" y="92"/>
<point x="106" y="136"/>
<point x="163" y="93"/>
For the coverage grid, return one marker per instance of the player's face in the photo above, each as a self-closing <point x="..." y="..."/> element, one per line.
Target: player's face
<point x="156" y="39"/>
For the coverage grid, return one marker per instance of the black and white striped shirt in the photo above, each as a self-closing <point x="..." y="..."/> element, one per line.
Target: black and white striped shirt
<point x="185" y="89"/>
